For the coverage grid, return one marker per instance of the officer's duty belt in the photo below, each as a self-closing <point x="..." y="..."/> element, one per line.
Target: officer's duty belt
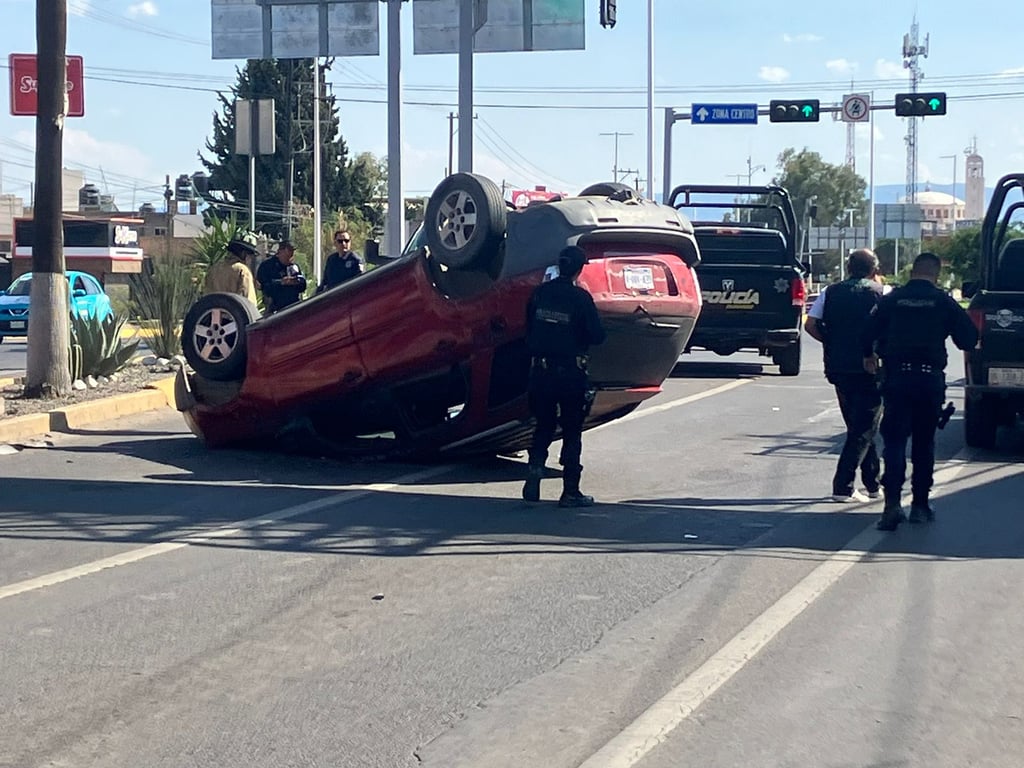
<point x="918" y="368"/>
<point x="555" y="363"/>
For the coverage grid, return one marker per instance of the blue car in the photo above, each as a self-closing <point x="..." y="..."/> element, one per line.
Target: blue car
<point x="88" y="299"/>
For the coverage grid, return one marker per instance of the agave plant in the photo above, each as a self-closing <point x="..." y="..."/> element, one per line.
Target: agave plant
<point x="97" y="344"/>
<point x="160" y="300"/>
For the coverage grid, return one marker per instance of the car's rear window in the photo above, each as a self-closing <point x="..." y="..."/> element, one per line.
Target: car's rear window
<point x="722" y="245"/>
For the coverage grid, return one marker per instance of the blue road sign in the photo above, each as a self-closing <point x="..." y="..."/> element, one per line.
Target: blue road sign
<point x="723" y="114"/>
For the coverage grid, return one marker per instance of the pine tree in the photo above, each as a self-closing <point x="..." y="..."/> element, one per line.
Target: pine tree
<point x="290" y="83"/>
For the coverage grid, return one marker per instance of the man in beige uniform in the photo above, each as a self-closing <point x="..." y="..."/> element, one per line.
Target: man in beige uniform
<point x="231" y="274"/>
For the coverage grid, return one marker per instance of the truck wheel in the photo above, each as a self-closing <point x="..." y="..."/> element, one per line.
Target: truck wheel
<point x="214" y="335"/>
<point x="788" y="360"/>
<point x="980" y="422"/>
<point x="465" y="221"/>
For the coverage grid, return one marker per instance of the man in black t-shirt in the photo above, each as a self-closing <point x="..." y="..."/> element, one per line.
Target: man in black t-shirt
<point x="342" y="265"/>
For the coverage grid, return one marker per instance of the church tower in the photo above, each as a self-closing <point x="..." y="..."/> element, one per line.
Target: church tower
<point x="974" y="195"/>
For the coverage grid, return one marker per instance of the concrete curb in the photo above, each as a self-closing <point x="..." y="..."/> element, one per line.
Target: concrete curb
<point x="158" y="394"/>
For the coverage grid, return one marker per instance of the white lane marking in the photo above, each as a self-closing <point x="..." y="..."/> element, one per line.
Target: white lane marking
<point x="828" y="413"/>
<point x="151" y="550"/>
<point x="639" y="414"/>
<point x="654" y="726"/>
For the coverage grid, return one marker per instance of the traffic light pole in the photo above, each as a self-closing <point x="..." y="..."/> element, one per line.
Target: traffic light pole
<point x="673" y="116"/>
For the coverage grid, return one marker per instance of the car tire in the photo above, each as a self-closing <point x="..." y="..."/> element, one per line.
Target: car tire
<point x="788" y="360"/>
<point x="214" y="336"/>
<point x="465" y="221"/>
<point x="980" y="422"/>
<point x="609" y="188"/>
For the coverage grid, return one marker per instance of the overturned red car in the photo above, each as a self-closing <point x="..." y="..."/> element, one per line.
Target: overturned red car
<point x="426" y="354"/>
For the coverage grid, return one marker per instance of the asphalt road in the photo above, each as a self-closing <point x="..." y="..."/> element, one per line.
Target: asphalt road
<point x="164" y="605"/>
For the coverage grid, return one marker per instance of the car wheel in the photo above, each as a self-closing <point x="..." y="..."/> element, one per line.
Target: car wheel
<point x="213" y="336"/>
<point x="980" y="423"/>
<point x="609" y="189"/>
<point x="788" y="360"/>
<point x="465" y="221"/>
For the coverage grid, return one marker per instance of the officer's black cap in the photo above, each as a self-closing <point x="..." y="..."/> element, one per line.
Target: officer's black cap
<point x="571" y="260"/>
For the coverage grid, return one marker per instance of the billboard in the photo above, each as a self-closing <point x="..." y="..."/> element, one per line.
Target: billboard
<point x="295" y="29"/>
<point x="521" y="198"/>
<point x="503" y="26"/>
<point x="24" y="82"/>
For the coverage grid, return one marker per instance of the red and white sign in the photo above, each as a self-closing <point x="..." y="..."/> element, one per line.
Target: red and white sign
<point x="523" y="197"/>
<point x="25" y="81"/>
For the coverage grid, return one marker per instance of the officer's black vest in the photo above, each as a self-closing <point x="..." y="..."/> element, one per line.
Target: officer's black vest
<point x="847" y="307"/>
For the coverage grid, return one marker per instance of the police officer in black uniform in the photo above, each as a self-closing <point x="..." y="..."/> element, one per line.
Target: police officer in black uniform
<point x="281" y="279"/>
<point x="847" y="307"/>
<point x="908" y="331"/>
<point x="561" y="324"/>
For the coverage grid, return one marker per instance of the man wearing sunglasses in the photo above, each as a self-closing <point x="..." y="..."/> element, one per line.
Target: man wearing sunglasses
<point x="342" y="265"/>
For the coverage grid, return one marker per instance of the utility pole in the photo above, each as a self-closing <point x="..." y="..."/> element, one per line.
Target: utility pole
<point x="48" y="367"/>
<point x="912" y="51"/>
<point x="615" y="167"/>
<point x="451" y="143"/>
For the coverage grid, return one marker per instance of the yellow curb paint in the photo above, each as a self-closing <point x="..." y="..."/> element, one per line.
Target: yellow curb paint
<point x="106" y="409"/>
<point x="22" y="427"/>
<point x="156" y="395"/>
<point x="166" y="386"/>
<point x="8" y="382"/>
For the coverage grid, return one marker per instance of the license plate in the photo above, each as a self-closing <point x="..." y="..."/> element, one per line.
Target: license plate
<point x="638" y="278"/>
<point x="1006" y="377"/>
<point x="17" y="325"/>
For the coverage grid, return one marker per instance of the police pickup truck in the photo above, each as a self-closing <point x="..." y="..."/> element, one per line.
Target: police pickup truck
<point x="995" y="367"/>
<point x="751" y="282"/>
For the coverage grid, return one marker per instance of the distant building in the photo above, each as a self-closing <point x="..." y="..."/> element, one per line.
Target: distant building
<point x="975" y="186"/>
<point x="940" y="211"/>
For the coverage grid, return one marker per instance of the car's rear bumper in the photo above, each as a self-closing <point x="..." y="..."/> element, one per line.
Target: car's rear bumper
<point x="13" y="327"/>
<point x="640" y="350"/>
<point x="743" y="338"/>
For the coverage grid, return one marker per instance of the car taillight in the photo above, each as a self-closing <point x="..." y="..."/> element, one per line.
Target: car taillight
<point x="798" y="292"/>
<point x="978" y="318"/>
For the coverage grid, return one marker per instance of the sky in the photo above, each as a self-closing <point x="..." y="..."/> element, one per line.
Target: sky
<point x="542" y="118"/>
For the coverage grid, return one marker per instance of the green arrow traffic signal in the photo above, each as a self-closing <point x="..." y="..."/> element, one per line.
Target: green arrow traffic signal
<point x="799" y="111"/>
<point x="920" y="104"/>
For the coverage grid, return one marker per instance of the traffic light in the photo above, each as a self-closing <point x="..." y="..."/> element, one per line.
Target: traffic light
<point x="607" y="13"/>
<point x="799" y="111"/>
<point x="920" y="104"/>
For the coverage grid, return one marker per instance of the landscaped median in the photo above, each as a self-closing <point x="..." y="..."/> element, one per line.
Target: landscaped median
<point x="158" y="394"/>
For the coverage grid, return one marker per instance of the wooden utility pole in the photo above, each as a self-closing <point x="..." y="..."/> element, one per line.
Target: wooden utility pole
<point x="48" y="370"/>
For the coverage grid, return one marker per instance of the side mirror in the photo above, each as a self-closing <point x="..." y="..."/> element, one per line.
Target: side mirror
<point x="969" y="289"/>
<point x="78" y="293"/>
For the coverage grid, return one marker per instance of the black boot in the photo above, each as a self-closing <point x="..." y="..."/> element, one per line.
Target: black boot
<point x="571" y="494"/>
<point x="531" y="488"/>
<point x="921" y="512"/>
<point x="892" y="514"/>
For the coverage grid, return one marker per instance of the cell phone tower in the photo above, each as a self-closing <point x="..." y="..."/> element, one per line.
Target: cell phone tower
<point x="912" y="52"/>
